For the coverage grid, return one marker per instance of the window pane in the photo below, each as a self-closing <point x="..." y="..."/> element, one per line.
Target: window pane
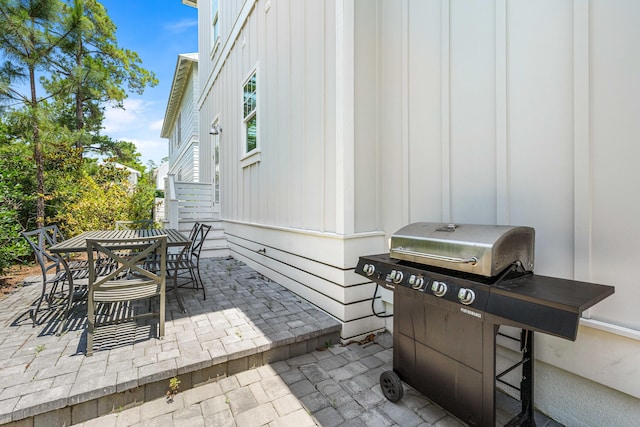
<point x="251" y="133"/>
<point x="249" y="90"/>
<point x="248" y="107"/>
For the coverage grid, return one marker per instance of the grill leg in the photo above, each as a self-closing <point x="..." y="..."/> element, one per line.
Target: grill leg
<point x="525" y="417"/>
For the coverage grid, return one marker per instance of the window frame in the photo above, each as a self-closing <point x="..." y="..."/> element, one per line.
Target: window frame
<point x="215" y="26"/>
<point x="215" y="148"/>
<point x="179" y="123"/>
<point x="252" y="156"/>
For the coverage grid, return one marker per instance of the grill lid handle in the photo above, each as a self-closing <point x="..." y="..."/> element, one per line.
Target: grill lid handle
<point x="473" y="260"/>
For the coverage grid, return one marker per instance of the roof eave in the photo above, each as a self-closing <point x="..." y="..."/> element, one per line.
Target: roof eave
<point x="180" y="77"/>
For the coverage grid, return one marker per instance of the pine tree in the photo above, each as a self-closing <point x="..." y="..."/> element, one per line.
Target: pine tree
<point x="29" y="35"/>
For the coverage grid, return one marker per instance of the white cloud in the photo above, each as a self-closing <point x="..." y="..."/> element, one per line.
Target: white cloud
<point x="158" y="144"/>
<point x="117" y="119"/>
<point x="156" y="125"/>
<point x="182" y="25"/>
<point x="138" y="124"/>
<point x="150" y="149"/>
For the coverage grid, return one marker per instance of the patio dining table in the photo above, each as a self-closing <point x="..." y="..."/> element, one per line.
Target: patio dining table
<point x="78" y="244"/>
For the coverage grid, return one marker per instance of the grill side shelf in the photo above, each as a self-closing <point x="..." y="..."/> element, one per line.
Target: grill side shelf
<point x="545" y="304"/>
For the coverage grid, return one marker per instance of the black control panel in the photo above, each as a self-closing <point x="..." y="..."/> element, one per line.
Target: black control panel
<point x="389" y="273"/>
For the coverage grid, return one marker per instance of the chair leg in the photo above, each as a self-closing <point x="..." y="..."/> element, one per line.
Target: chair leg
<point x="176" y="293"/>
<point x="162" y="315"/>
<point x="33" y="311"/>
<point x="200" y="282"/>
<point x="54" y="291"/>
<point x="91" y="319"/>
<point x="67" y="311"/>
<point x="194" y="280"/>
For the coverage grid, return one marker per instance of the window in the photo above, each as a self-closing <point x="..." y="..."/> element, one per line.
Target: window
<point x="250" y="114"/>
<point x="179" y="128"/>
<point x="216" y="165"/>
<point x="214" y="23"/>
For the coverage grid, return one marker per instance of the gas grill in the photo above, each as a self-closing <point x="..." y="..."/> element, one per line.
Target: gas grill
<point x="454" y="285"/>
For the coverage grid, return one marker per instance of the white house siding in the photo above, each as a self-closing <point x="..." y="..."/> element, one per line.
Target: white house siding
<point x="280" y="213"/>
<point x="228" y="11"/>
<point x="518" y="113"/>
<point x="374" y="114"/>
<point x="186" y="167"/>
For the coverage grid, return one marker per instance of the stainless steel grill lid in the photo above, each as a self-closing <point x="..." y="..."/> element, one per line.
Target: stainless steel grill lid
<point x="485" y="250"/>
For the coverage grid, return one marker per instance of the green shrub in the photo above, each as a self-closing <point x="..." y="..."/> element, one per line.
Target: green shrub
<point x="99" y="200"/>
<point x="16" y="200"/>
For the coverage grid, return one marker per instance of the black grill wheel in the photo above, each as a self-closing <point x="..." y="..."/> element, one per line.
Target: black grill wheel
<point x="391" y="386"/>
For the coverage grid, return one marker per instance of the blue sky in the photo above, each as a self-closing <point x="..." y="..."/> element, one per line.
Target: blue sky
<point x="158" y="30"/>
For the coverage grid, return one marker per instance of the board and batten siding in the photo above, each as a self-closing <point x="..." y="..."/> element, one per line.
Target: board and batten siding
<point x="376" y="113"/>
<point x="281" y="213"/>
<point x="521" y="113"/>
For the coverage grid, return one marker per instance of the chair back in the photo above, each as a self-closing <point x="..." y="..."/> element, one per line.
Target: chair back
<point x="194" y="231"/>
<point x="141" y="224"/>
<point x="40" y="241"/>
<point x="134" y="276"/>
<point x="139" y="273"/>
<point x="197" y="241"/>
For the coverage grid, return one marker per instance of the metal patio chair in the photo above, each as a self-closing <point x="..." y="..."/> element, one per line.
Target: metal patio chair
<point x="173" y="255"/>
<point x="185" y="267"/>
<point x="133" y="279"/>
<point x="194" y="230"/>
<point x="56" y="271"/>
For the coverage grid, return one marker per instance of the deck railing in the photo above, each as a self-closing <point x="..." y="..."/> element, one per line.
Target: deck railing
<point x="187" y="200"/>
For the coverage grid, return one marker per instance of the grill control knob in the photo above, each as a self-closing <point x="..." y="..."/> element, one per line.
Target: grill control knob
<point x="439" y="288"/>
<point x="416" y="282"/>
<point x="466" y="296"/>
<point x="396" y="276"/>
<point x="369" y="269"/>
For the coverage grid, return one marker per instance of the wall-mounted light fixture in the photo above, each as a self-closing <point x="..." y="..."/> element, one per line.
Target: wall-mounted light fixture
<point x="215" y="130"/>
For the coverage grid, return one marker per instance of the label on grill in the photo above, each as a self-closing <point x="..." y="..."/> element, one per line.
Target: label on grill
<point x="471" y="312"/>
